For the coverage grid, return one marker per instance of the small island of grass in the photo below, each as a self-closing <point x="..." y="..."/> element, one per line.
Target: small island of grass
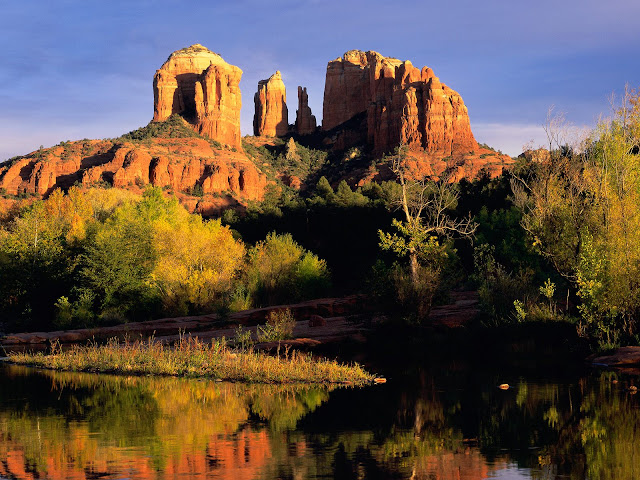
<point x="193" y="358"/>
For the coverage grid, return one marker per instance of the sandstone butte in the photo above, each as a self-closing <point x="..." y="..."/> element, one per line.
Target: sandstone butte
<point x="272" y="116"/>
<point x="369" y="100"/>
<point x="394" y="104"/>
<point x="305" y="121"/>
<point x="199" y="85"/>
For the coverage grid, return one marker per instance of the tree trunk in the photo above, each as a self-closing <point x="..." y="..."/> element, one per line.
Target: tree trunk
<point x="413" y="264"/>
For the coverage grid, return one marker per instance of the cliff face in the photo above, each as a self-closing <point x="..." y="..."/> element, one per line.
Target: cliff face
<point x="177" y="163"/>
<point x="204" y="89"/>
<point x="402" y="104"/>
<point x="305" y="121"/>
<point x="385" y="102"/>
<point x="272" y="116"/>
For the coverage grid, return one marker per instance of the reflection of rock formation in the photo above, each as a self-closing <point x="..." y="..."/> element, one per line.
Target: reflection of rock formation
<point x="144" y="428"/>
<point x="99" y="426"/>
<point x="466" y="465"/>
<point x="271" y="118"/>
<point x="199" y="85"/>
<point x="240" y="456"/>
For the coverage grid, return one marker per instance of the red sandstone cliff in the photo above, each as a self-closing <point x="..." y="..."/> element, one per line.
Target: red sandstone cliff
<point x="272" y="116"/>
<point x="200" y="86"/>
<point x="402" y="105"/>
<point x="176" y="163"/>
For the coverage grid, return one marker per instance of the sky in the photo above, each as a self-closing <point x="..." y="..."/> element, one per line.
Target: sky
<point x="73" y="69"/>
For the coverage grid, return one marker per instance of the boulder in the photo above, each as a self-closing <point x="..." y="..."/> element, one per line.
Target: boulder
<point x="623" y="356"/>
<point x="317" y="321"/>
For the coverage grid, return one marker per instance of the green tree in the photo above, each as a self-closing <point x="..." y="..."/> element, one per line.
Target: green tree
<point x="280" y="271"/>
<point x="117" y="265"/>
<point x="580" y="209"/>
<point x="427" y="205"/>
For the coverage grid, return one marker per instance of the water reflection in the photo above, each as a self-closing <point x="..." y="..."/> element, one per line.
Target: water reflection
<point x="445" y="426"/>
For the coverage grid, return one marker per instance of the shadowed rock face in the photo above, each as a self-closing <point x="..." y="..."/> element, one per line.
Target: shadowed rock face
<point x="305" y="121"/>
<point x="204" y="89"/>
<point x="272" y="116"/>
<point x="403" y="105"/>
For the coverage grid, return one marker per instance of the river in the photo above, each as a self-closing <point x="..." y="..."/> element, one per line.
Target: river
<point x="425" y="423"/>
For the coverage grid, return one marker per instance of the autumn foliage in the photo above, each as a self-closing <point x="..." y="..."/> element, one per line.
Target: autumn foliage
<point x="101" y="256"/>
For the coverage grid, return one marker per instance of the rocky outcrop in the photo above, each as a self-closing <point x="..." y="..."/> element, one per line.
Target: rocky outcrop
<point x="623" y="356"/>
<point x="346" y="90"/>
<point x="272" y="116"/>
<point x="403" y="105"/>
<point x="199" y="85"/>
<point x="540" y="155"/>
<point x="384" y="102"/>
<point x="180" y="164"/>
<point x="305" y="121"/>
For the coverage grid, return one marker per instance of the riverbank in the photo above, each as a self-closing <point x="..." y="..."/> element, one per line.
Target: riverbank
<point x="192" y="358"/>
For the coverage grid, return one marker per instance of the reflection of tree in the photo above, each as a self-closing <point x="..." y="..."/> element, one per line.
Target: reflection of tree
<point x="431" y="428"/>
<point x="610" y="433"/>
<point x="283" y="411"/>
<point x="137" y="425"/>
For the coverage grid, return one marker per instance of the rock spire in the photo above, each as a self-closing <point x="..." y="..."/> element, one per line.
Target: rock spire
<point x="271" y="117"/>
<point x="305" y="121"/>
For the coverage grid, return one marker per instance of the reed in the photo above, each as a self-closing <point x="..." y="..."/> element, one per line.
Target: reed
<point x="191" y="357"/>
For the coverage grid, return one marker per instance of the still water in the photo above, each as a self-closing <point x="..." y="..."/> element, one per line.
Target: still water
<point x="442" y="424"/>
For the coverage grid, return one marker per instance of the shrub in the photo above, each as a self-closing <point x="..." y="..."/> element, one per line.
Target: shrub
<point x="498" y="288"/>
<point x="281" y="271"/>
<point x="415" y="298"/>
<point x="242" y="339"/>
<point x="279" y="326"/>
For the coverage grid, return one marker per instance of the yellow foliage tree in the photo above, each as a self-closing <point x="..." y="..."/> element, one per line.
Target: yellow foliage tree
<point x="197" y="262"/>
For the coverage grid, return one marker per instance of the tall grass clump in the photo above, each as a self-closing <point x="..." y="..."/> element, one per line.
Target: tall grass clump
<point x="191" y="357"/>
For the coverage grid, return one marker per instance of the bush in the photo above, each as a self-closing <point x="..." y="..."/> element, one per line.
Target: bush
<point x="279" y="326"/>
<point x="415" y="300"/>
<point x="281" y="271"/>
<point x="498" y="288"/>
<point x="173" y="127"/>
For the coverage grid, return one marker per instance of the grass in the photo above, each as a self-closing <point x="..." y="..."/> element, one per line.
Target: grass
<point x="193" y="358"/>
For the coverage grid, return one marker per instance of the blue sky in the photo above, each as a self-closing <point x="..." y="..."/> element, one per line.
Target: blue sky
<point x="84" y="69"/>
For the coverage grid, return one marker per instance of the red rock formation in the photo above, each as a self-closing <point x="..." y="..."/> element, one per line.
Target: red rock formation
<point x="305" y="121"/>
<point x="199" y="85"/>
<point x="402" y="104"/>
<point x="272" y="116"/>
<point x="385" y="102"/>
<point x="346" y="89"/>
<point x="178" y="163"/>
<point x="540" y="155"/>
